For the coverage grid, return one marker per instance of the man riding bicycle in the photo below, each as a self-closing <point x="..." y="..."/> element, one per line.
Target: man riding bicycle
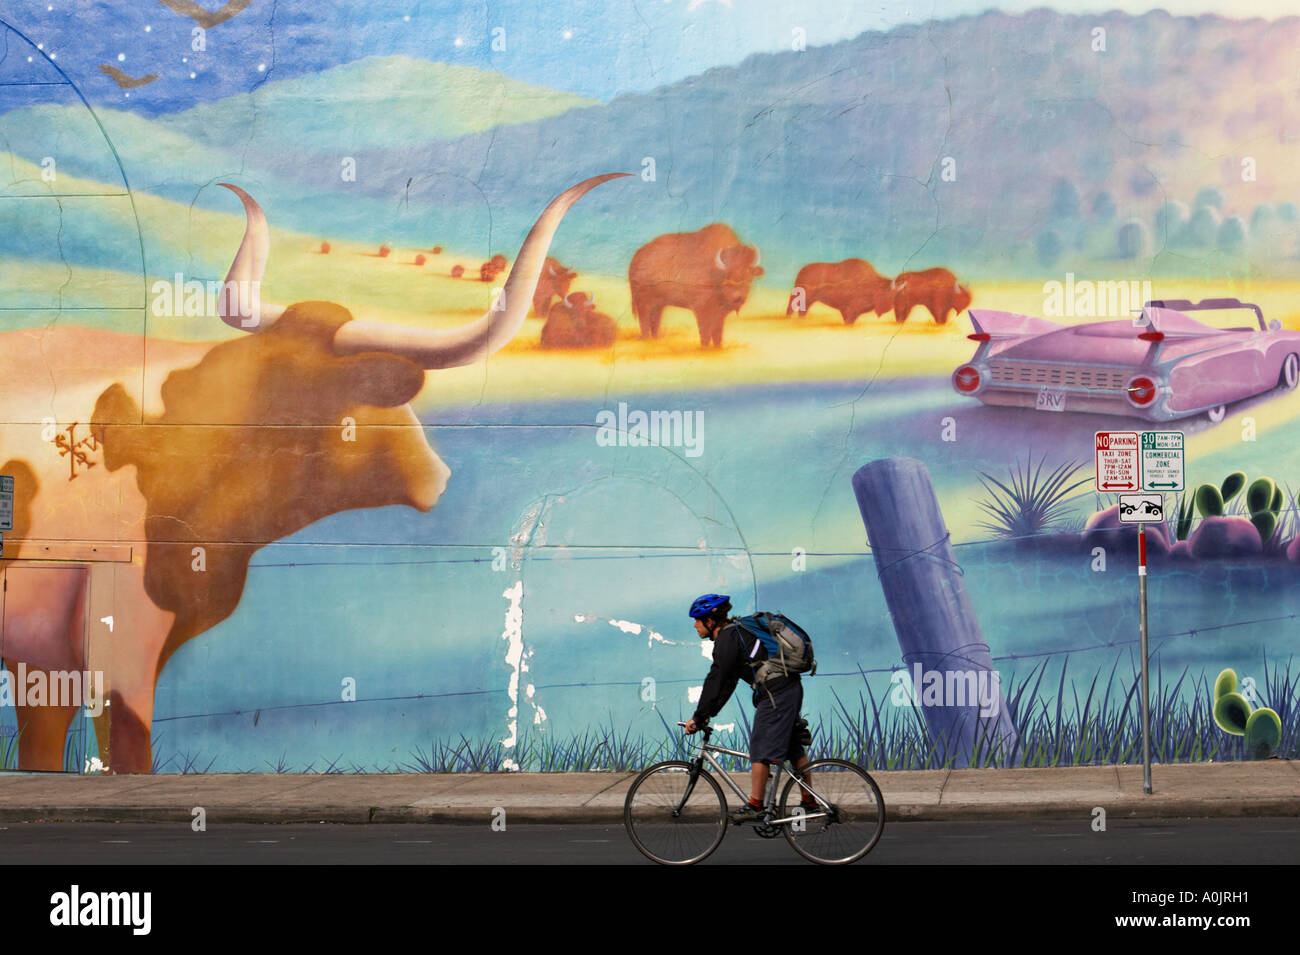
<point x="736" y="652"/>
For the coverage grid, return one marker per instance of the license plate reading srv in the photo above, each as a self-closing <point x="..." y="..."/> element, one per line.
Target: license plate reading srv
<point x="1050" y="400"/>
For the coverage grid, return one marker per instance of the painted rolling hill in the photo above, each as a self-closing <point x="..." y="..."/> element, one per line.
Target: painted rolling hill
<point x="996" y="144"/>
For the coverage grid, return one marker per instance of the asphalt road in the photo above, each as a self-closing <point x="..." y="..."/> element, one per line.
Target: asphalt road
<point x="1175" y="842"/>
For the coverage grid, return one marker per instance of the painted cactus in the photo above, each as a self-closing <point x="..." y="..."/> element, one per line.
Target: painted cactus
<point x="1263" y="500"/>
<point x="1262" y="728"/>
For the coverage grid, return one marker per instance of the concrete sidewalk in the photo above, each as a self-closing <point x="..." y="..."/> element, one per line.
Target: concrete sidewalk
<point x="1267" y="788"/>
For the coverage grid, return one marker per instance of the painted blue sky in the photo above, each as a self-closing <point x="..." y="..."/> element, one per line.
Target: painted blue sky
<point x="591" y="47"/>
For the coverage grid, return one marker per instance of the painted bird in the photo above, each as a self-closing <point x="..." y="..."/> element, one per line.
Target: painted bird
<point x="127" y="82"/>
<point x="206" y="18"/>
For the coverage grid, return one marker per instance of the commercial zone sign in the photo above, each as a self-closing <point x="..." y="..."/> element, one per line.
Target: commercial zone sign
<point x="1149" y="461"/>
<point x="1162" y="461"/>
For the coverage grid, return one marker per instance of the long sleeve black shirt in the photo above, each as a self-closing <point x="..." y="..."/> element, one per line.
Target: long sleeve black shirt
<point x="732" y="647"/>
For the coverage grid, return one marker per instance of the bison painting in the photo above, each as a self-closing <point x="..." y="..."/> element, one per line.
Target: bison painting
<point x="554" y="283"/>
<point x="936" y="289"/>
<point x="708" y="272"/>
<point x="575" y="323"/>
<point x="142" y="498"/>
<point x="490" y="269"/>
<point x="852" y="287"/>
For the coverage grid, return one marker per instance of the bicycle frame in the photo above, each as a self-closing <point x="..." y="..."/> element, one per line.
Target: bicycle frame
<point x="705" y="754"/>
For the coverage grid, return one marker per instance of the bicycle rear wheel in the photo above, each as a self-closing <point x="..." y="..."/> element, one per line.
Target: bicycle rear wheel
<point x="688" y="837"/>
<point x="852" y="825"/>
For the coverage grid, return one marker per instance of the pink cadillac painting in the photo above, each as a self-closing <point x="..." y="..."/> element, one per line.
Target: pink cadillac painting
<point x="1165" y="365"/>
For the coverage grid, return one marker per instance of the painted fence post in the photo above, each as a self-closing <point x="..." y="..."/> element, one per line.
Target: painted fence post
<point x="936" y="626"/>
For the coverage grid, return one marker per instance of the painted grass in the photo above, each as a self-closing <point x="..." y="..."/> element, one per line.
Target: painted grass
<point x="1061" y="728"/>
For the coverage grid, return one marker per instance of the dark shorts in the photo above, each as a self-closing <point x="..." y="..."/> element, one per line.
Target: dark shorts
<point x="774" y="719"/>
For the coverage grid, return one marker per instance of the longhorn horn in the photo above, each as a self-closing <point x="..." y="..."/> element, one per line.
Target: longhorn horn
<point x="427" y="348"/>
<point x="717" y="260"/>
<point x="550" y="269"/>
<point x="447" y="348"/>
<point x="758" y="256"/>
<point x="240" y="303"/>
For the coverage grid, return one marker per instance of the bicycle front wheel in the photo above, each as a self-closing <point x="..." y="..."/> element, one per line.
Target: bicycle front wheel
<point x="661" y="832"/>
<point x="849" y="819"/>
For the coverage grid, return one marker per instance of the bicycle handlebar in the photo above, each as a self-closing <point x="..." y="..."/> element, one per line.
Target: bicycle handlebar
<point x="706" y="729"/>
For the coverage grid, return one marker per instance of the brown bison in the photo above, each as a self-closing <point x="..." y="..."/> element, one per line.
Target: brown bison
<point x="554" y="283"/>
<point x="852" y="287"/>
<point x="708" y="272"/>
<point x="575" y="323"/>
<point x="936" y="289"/>
<point x="492" y="268"/>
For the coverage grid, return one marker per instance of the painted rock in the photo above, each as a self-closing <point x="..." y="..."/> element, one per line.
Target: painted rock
<point x="1105" y="530"/>
<point x="1225" y="537"/>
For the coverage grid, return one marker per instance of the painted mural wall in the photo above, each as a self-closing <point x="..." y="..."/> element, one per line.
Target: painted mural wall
<point x="360" y="419"/>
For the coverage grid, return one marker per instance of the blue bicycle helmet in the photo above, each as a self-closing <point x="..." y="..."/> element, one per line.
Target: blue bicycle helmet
<point x="705" y="605"/>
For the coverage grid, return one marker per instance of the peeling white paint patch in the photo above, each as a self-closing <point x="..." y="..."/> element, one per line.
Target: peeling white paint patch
<point x="509" y="765"/>
<point x="660" y="638"/>
<point x="539" y="717"/>
<point x="706" y="649"/>
<point x="693" y="694"/>
<point x="513" y="634"/>
<point x="724" y="727"/>
<point x="584" y="618"/>
<point x="626" y="626"/>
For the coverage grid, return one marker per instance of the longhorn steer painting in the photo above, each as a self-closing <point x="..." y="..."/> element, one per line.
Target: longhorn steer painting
<point x="222" y="449"/>
<point x="708" y="272"/>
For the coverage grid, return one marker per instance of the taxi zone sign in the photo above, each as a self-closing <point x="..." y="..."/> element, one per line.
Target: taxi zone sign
<point x="1129" y="461"/>
<point x="1117" y="461"/>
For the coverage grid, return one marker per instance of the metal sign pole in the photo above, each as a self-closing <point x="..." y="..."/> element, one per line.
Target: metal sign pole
<point x="1146" y="704"/>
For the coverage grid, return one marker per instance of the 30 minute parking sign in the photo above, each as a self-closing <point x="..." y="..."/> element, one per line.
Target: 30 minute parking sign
<point x="1162" y="461"/>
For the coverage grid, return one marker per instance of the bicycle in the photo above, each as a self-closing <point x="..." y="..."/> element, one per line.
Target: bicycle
<point x="673" y="820"/>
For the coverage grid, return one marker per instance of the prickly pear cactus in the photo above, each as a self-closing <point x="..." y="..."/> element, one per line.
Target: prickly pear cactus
<point x="1262" y="728"/>
<point x="1225" y="684"/>
<point x="1232" y="484"/>
<point x="1264" y="501"/>
<point x="1209" y="501"/>
<point x="1263" y="733"/>
<point x="1231" y="711"/>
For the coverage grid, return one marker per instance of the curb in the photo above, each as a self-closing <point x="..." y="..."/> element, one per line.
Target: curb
<point x="1147" y="808"/>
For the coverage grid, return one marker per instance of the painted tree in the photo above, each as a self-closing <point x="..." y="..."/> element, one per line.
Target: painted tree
<point x="1049" y="247"/>
<point x="1103" y="207"/>
<point x="1209" y="196"/>
<point x="1171" y="220"/>
<point x="1132" y="239"/>
<point x="1203" y="228"/>
<point x="1232" y="235"/>
<point x="1065" y="200"/>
